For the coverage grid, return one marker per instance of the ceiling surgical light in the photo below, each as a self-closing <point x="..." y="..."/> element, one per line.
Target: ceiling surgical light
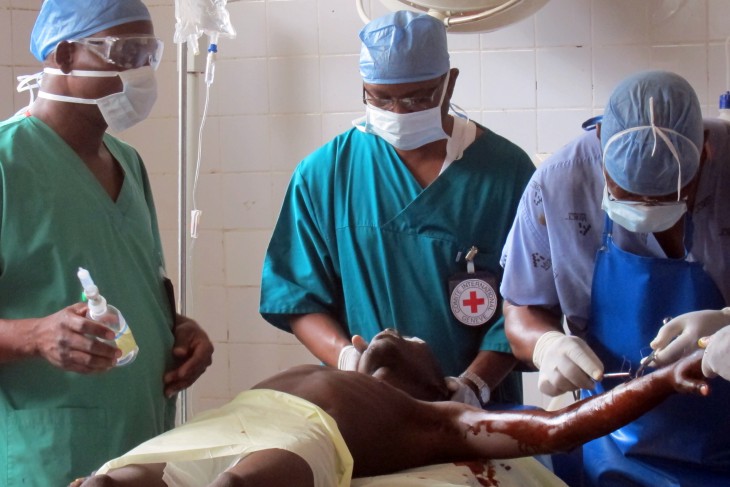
<point x="466" y="15"/>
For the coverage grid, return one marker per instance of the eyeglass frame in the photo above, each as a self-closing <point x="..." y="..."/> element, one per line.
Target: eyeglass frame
<point x="102" y="47"/>
<point x="679" y="199"/>
<point x="410" y="103"/>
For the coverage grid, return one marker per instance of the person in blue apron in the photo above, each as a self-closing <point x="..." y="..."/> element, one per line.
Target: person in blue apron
<point x="618" y="232"/>
<point x="399" y="222"/>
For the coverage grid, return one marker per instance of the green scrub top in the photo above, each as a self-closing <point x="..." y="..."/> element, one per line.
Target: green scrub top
<point x="360" y="239"/>
<point x="54" y="218"/>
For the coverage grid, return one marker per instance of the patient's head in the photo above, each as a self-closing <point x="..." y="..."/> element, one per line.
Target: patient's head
<point x="405" y="363"/>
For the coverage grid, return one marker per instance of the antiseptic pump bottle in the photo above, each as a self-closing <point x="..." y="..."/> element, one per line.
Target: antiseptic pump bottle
<point x="109" y="316"/>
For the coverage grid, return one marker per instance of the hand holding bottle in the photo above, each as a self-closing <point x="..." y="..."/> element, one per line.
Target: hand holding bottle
<point x="70" y="341"/>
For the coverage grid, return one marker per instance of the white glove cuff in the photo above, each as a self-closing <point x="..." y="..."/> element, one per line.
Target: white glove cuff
<point x="460" y="392"/>
<point x="543" y="343"/>
<point x="349" y="358"/>
<point x="484" y="392"/>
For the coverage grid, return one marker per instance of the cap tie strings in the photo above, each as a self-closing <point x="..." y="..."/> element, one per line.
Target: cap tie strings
<point x="658" y="132"/>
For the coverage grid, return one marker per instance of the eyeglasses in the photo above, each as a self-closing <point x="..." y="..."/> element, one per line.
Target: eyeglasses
<point x="411" y="103"/>
<point x="125" y="52"/>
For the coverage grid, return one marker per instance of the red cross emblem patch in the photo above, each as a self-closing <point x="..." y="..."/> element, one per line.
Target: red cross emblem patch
<point x="473" y="302"/>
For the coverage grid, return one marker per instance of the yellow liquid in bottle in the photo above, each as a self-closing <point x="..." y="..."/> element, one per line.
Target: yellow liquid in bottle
<point x="128" y="346"/>
<point x="124" y="340"/>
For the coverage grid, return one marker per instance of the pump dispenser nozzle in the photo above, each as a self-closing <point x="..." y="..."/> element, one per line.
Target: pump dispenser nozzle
<point x="86" y="282"/>
<point x="97" y="303"/>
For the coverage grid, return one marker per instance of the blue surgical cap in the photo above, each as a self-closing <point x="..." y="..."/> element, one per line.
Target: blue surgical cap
<point x="61" y="20"/>
<point x="640" y="160"/>
<point x="403" y="47"/>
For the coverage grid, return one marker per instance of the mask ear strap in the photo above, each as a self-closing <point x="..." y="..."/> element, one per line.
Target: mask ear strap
<point x="68" y="99"/>
<point x="29" y="82"/>
<point x="82" y="73"/>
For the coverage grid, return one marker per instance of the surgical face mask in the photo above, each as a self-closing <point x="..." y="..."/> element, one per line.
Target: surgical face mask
<point x="407" y="131"/>
<point x="640" y="217"/>
<point x="120" y="110"/>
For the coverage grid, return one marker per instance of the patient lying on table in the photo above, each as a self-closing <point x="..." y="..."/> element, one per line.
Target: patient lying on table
<point x="318" y="426"/>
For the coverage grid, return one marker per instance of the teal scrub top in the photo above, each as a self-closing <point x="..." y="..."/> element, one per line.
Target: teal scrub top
<point x="360" y="239"/>
<point x="54" y="218"/>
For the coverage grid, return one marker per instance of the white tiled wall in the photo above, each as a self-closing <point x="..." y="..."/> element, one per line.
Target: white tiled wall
<point x="289" y="81"/>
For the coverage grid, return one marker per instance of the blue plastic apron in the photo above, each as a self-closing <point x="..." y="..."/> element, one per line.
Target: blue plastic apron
<point x="685" y="441"/>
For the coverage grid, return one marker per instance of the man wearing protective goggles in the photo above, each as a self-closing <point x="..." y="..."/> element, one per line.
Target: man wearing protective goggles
<point x="615" y="234"/>
<point x="74" y="196"/>
<point x="122" y="53"/>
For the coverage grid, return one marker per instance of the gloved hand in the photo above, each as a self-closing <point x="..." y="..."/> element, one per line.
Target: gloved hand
<point x="566" y="363"/>
<point x="716" y="360"/>
<point x="679" y="336"/>
<point x="462" y="392"/>
<point x="349" y="358"/>
<point x="350" y="355"/>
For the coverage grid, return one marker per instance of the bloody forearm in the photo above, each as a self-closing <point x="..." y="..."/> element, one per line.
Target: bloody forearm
<point x="534" y="432"/>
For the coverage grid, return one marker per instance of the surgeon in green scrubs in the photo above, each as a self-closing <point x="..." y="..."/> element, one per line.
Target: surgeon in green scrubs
<point x="399" y="222"/>
<point x="73" y="196"/>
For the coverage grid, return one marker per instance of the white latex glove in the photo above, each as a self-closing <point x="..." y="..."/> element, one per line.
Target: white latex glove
<point x="350" y="355"/>
<point x="679" y="336"/>
<point x="566" y="363"/>
<point x="716" y="360"/>
<point x="462" y="392"/>
<point x="349" y="358"/>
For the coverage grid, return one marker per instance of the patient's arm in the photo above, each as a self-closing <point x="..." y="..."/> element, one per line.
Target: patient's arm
<point x="386" y="430"/>
<point x="410" y="433"/>
<point x="533" y="432"/>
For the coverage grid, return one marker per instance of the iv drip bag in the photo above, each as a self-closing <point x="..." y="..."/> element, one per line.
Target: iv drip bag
<point x="198" y="17"/>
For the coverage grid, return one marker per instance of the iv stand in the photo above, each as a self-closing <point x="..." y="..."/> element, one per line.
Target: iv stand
<point x="182" y="59"/>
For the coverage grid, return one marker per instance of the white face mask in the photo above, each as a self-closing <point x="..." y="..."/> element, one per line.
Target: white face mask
<point x="638" y="217"/>
<point x="120" y="110"/>
<point x="407" y="131"/>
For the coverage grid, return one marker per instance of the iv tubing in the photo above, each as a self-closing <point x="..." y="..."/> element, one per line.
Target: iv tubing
<point x="209" y="76"/>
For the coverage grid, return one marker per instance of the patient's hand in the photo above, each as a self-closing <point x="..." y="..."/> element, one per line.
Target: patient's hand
<point x="404" y="363"/>
<point x="686" y="375"/>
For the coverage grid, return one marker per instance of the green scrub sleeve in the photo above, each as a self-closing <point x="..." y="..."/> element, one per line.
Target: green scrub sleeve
<point x="495" y="339"/>
<point x="299" y="275"/>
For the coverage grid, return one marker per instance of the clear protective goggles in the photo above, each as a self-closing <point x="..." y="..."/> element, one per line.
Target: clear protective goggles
<point x="125" y="52"/>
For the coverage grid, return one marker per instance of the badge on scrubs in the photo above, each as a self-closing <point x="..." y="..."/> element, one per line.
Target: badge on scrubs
<point x="473" y="297"/>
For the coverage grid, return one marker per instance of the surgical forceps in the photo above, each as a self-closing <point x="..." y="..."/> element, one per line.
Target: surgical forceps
<point x="650" y="358"/>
